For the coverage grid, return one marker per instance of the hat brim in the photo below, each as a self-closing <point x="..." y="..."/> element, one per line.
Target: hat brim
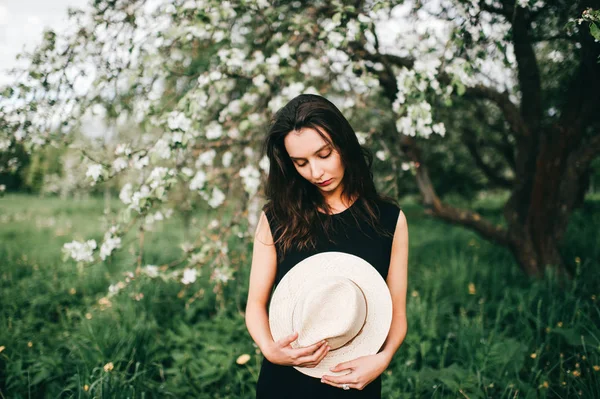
<point x="316" y="268"/>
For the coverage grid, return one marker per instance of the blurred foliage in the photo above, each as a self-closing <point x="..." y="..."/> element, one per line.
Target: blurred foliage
<point x="477" y="328"/>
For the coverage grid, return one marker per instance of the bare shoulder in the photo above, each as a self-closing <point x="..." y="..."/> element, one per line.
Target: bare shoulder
<point x="263" y="232"/>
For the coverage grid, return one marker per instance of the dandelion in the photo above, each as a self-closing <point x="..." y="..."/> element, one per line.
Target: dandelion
<point x="104" y="302"/>
<point x="559" y="324"/>
<point x="472" y="289"/>
<point x="595" y="367"/>
<point x="72" y="291"/>
<point x="88" y="316"/>
<point x="30" y="344"/>
<point x="545" y="384"/>
<point x="108" y="367"/>
<point x="243" y="359"/>
<point x="86" y="387"/>
<point x="576" y="373"/>
<point x="533" y="355"/>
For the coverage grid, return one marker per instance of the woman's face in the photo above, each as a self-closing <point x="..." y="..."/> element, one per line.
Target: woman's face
<point x="315" y="159"/>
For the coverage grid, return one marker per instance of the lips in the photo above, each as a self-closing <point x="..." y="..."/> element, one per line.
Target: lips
<point x="325" y="182"/>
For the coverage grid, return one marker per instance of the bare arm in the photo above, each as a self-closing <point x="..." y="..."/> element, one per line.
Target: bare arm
<point x="397" y="283"/>
<point x="262" y="277"/>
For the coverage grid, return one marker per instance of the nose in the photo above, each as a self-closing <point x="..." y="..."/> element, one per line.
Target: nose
<point x="316" y="170"/>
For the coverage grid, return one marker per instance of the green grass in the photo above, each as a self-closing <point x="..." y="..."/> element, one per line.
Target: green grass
<point x="478" y="328"/>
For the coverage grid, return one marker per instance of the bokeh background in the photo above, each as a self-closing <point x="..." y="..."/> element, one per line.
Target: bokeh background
<point x="131" y="181"/>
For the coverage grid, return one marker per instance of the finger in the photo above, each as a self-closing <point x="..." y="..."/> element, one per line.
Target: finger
<point x="341" y="379"/>
<point x="285" y="341"/>
<point x="343" y="366"/>
<point x="350" y="385"/>
<point x="309" y="350"/>
<point x="313" y="360"/>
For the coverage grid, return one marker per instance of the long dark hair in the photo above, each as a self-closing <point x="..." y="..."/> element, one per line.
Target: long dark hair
<point x="292" y="200"/>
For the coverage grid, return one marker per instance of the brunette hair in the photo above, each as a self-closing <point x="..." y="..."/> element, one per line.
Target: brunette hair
<point x="292" y="200"/>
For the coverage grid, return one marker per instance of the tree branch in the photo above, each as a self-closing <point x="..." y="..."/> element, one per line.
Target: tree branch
<point x="502" y="100"/>
<point x="450" y="214"/>
<point x="487" y="170"/>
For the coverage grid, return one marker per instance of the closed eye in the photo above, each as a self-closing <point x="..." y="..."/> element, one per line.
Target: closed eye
<point x="322" y="157"/>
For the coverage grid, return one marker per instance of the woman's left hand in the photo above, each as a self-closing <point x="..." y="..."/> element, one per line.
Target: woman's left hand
<point x="364" y="370"/>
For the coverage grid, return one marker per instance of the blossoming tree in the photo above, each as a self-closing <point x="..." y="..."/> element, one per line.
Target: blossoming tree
<point x="202" y="78"/>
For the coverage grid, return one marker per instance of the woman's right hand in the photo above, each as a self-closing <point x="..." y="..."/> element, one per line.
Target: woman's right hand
<point x="282" y="353"/>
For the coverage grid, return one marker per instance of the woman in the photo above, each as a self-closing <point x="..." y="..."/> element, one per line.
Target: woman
<point x="322" y="198"/>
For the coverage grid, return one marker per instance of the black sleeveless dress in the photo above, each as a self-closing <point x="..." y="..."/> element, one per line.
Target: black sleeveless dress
<point x="278" y="382"/>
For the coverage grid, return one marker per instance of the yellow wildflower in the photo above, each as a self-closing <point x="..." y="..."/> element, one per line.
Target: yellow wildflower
<point x="472" y="289"/>
<point x="577" y="259"/>
<point x="109" y="366"/>
<point x="243" y="359"/>
<point x="533" y="355"/>
<point x="2" y="348"/>
<point x="559" y="324"/>
<point x="415" y="293"/>
<point x="88" y="316"/>
<point x="30" y="344"/>
<point x="545" y="384"/>
<point x="596" y="368"/>
<point x="72" y="291"/>
<point x="576" y="373"/>
<point x="86" y="387"/>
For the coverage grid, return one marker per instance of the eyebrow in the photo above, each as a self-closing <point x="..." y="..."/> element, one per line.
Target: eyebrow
<point x="326" y="145"/>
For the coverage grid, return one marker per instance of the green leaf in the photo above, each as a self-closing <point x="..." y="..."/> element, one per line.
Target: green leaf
<point x="595" y="31"/>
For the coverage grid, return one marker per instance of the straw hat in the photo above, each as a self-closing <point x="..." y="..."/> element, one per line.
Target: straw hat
<point x="334" y="296"/>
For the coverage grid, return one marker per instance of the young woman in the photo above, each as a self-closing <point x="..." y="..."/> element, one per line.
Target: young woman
<point x="321" y="197"/>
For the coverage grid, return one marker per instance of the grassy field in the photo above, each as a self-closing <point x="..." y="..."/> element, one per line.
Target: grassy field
<point x="477" y="327"/>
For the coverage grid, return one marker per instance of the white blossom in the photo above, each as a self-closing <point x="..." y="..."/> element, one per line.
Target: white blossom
<point x="123" y="149"/>
<point x="94" y="171"/>
<point x="138" y="197"/>
<point x="221" y="275"/>
<point x="226" y="159"/>
<point x="119" y="164"/>
<point x="177" y="120"/>
<point x="80" y="251"/>
<point x="4" y="145"/>
<point x="362" y="137"/>
<point x="206" y="158"/>
<point x="140" y="162"/>
<point x="189" y="276"/>
<point x="110" y="243"/>
<point x="214" y="130"/>
<point x="251" y="179"/>
<point x="151" y="271"/>
<point x="264" y="164"/>
<point x="162" y="149"/>
<point x="125" y="194"/>
<point x="439" y="128"/>
<point x="198" y="181"/>
<point x="216" y="198"/>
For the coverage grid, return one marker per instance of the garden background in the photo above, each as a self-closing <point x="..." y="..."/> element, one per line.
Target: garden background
<point x="132" y="175"/>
